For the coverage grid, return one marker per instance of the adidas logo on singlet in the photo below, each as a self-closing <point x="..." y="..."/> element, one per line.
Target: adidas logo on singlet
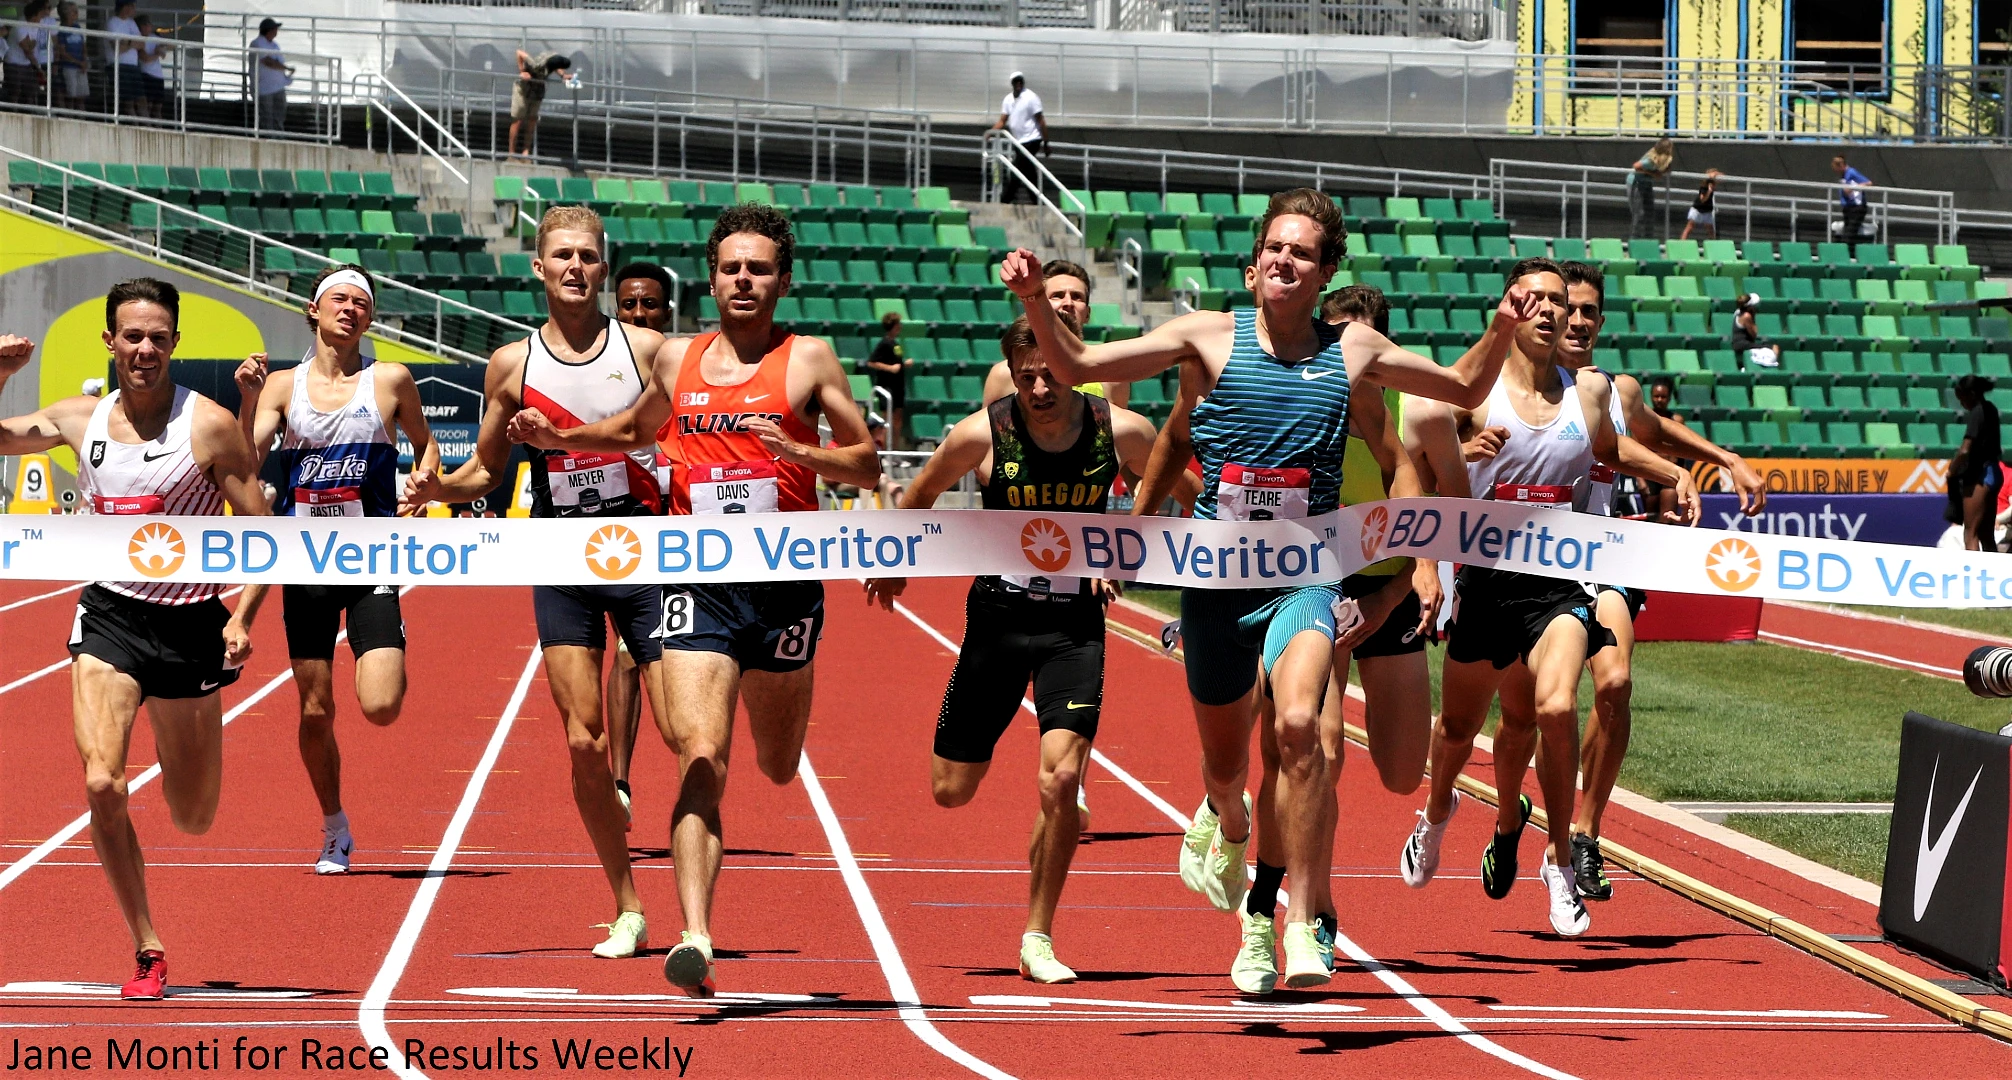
<point x="1572" y="432"/>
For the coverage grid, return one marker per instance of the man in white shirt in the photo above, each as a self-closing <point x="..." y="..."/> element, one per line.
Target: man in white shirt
<point x="25" y="46"/>
<point x="125" y="55"/>
<point x="272" y="76"/>
<point x="1021" y="117"/>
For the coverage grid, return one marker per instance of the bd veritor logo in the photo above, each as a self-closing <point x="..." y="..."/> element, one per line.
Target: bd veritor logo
<point x="613" y="552"/>
<point x="1732" y="564"/>
<point x="1045" y="545"/>
<point x="1374" y="528"/>
<point x="156" y="549"/>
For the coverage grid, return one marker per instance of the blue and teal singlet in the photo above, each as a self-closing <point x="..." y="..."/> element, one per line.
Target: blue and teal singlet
<point x="1278" y="417"/>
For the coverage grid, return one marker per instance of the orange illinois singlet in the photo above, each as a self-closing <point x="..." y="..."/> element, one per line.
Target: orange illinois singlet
<point x="721" y="467"/>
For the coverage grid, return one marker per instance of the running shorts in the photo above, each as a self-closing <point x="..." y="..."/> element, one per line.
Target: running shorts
<point x="1398" y="636"/>
<point x="764" y="626"/>
<point x="580" y="614"/>
<point x="172" y="651"/>
<point x="1498" y="616"/>
<point x="1010" y="639"/>
<point x="1636" y="599"/>
<point x="1222" y="662"/>
<point x="314" y="613"/>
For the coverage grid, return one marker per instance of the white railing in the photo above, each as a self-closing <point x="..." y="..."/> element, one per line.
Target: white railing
<point x="1003" y="158"/>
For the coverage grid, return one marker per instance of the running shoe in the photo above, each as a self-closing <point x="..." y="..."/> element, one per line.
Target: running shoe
<point x="1228" y="879"/>
<point x="1420" y="858"/>
<point x="626" y="935"/>
<point x="1568" y="913"/>
<point x="1589" y="868"/>
<point x="335" y="849"/>
<point x="1325" y="929"/>
<point x="1303" y="965"/>
<point x="628" y="816"/>
<point x="1195" y="849"/>
<point x="1082" y="809"/>
<point x="1498" y="862"/>
<point x="150" y="977"/>
<point x="689" y="966"/>
<point x="1038" y="963"/>
<point x="1255" y="970"/>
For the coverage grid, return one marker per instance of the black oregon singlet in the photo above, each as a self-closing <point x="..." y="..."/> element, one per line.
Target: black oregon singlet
<point x="1026" y="477"/>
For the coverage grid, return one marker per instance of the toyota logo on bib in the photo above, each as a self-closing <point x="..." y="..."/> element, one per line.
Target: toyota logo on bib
<point x="156" y="549"/>
<point x="1374" y="528"/>
<point x="613" y="552"/>
<point x="1733" y="565"/>
<point x="1045" y="545"/>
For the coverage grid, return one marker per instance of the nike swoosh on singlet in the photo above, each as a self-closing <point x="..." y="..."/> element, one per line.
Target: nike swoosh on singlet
<point x="1928" y="864"/>
<point x="751" y="399"/>
<point x="1310" y="374"/>
<point x="144" y="456"/>
<point x="1091" y="705"/>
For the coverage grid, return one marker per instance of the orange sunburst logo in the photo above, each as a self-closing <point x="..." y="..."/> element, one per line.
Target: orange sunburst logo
<point x="1045" y="545"/>
<point x="1374" y="528"/>
<point x="1733" y="565"/>
<point x="613" y="552"/>
<point x="156" y="549"/>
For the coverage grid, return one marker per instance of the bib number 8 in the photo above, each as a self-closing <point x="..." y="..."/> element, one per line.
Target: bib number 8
<point x="794" y="643"/>
<point x="676" y="617"/>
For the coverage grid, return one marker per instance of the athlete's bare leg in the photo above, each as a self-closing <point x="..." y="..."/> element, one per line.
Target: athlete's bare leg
<point x="188" y="736"/>
<point x="1607" y="730"/>
<point x="1226" y="760"/>
<point x="1543" y="699"/>
<point x="1465" y="691"/>
<point x="380" y="694"/>
<point x="625" y="712"/>
<point x="1334" y="742"/>
<point x="574" y="672"/>
<point x="1270" y="844"/>
<point x="702" y="688"/>
<point x="778" y="718"/>
<point x="1397" y="713"/>
<point x="1053" y="846"/>
<point x="1300" y="683"/>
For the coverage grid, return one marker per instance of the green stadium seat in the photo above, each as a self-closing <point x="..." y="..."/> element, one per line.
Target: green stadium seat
<point x="608" y="192"/>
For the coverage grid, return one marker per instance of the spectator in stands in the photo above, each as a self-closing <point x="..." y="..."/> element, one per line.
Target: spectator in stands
<point x="1748" y="346"/>
<point x="152" y="95"/>
<point x="1975" y="475"/>
<point x="24" y="43"/>
<point x="1850" y="199"/>
<point x="273" y="76"/>
<point x="888" y="368"/>
<point x="1021" y="116"/>
<point x="527" y="94"/>
<point x="1649" y="170"/>
<point x="71" y="86"/>
<point x="125" y="87"/>
<point x="1702" y="215"/>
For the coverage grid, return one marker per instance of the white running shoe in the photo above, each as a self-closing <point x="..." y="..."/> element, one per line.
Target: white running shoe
<point x="628" y="816"/>
<point x="626" y="935"/>
<point x="1228" y="877"/>
<point x="1195" y="845"/>
<point x="1303" y="964"/>
<point x="1568" y="912"/>
<point x="1037" y="960"/>
<point x="1082" y="809"/>
<point x="335" y="849"/>
<point x="1255" y="970"/>
<point x="1420" y="859"/>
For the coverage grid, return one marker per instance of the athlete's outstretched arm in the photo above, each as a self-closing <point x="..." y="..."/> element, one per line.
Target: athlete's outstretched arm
<point x="1172" y="451"/>
<point x="962" y="450"/>
<point x="60" y="423"/>
<point x="1623" y="453"/>
<point x="632" y="429"/>
<point x="1432" y="436"/>
<point x="411" y="418"/>
<point x="1671" y="439"/>
<point x="262" y="401"/>
<point x="1374" y="359"/>
<point x="15" y="352"/>
<point x="1076" y="363"/>
<point x="480" y="474"/>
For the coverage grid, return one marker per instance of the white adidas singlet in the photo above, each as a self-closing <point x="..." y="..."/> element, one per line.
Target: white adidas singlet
<point x="157" y="477"/>
<point x="1538" y="465"/>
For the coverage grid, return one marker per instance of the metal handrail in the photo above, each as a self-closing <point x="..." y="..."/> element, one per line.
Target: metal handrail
<point x="427" y="118"/>
<point x="1132" y="277"/>
<point x="1004" y="157"/>
<point x="423" y="145"/>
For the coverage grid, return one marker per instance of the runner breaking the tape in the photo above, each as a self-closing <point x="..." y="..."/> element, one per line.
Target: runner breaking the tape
<point x="1526" y="635"/>
<point x="1605" y="743"/>
<point x="579" y="367"/>
<point x="336" y="417"/>
<point x="1266" y="395"/>
<point x="746" y="402"/>
<point x="148" y="448"/>
<point x="1046" y="447"/>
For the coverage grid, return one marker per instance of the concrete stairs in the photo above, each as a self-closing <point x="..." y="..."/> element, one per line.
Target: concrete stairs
<point x="1038" y="230"/>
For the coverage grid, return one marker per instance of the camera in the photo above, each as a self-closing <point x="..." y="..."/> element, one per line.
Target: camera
<point x="1987" y="671"/>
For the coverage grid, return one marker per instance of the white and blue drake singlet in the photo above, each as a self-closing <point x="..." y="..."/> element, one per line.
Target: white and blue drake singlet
<point x="341" y="463"/>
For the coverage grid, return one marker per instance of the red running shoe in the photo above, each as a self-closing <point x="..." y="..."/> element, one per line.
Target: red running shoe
<point x="150" y="977"/>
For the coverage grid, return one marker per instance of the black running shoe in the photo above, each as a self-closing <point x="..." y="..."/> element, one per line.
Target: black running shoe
<point x="1498" y="863"/>
<point x="1590" y="868"/>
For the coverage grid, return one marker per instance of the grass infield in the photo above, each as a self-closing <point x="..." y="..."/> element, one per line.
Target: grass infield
<point x="1754" y="723"/>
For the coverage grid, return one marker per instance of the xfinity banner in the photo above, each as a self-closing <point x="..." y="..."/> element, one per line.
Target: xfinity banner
<point x="1880" y="519"/>
<point x="1946" y="891"/>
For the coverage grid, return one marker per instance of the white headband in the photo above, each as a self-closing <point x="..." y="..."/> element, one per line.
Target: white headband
<point x="344" y="277"/>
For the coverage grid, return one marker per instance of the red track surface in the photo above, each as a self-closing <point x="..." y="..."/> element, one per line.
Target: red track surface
<point x="243" y="914"/>
<point x="1911" y="646"/>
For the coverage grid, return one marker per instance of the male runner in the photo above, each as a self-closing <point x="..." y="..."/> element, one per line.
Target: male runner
<point x="1607" y="729"/>
<point x="1541" y="630"/>
<point x="745" y="401"/>
<point x="149" y="447"/>
<point x="341" y="460"/>
<point x="642" y="298"/>
<point x="1068" y="286"/>
<point x="1267" y="393"/>
<point x="1047" y="447"/>
<point x="579" y="367"/>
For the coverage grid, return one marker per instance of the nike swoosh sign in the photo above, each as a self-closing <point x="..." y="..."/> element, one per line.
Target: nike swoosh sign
<point x="755" y="397"/>
<point x="1928" y="864"/>
<point x="144" y="456"/>
<point x="1310" y="374"/>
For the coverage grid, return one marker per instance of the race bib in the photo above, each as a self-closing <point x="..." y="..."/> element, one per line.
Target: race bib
<point x="1041" y="587"/>
<point x="583" y="482"/>
<point x="328" y="502"/>
<point x="1555" y="496"/>
<point x="128" y="504"/>
<point x="740" y="487"/>
<point x="1250" y="493"/>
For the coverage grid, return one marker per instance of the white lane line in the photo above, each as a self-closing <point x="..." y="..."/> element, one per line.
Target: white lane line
<point x="900" y="987"/>
<point x="44" y="596"/>
<point x="1863" y="655"/>
<point x="1431" y="1009"/>
<point x="370" y="1016"/>
<point x="1802" y="1014"/>
<point x="32" y="676"/>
